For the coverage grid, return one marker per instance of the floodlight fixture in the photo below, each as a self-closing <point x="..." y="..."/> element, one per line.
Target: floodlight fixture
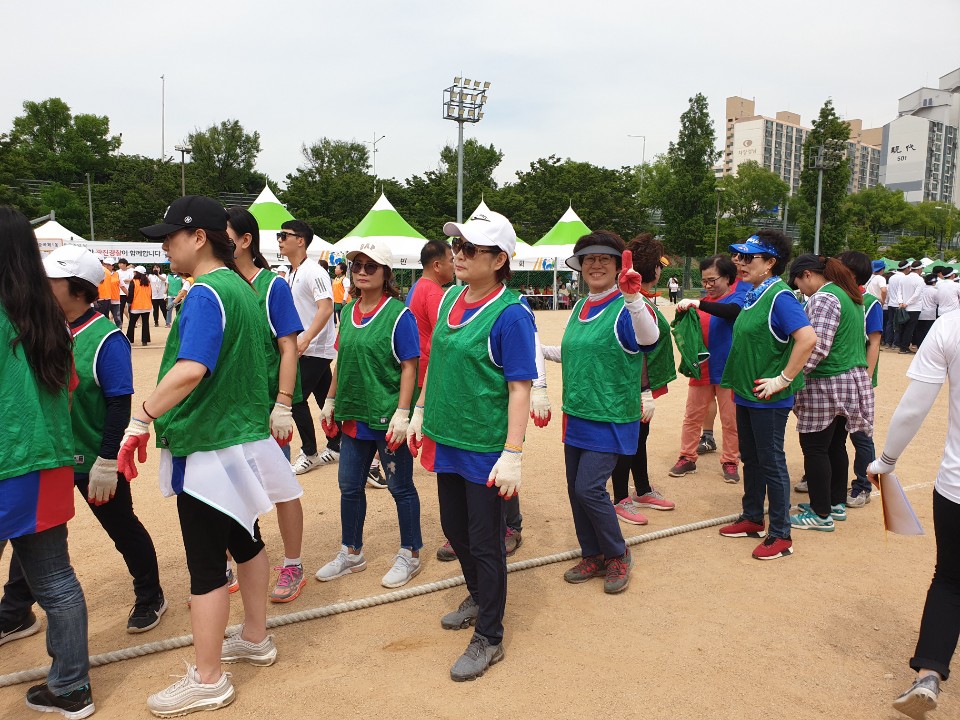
<point x="463" y="103"/>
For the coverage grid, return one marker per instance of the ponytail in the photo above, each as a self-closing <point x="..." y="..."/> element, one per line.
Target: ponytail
<point x="223" y="249"/>
<point x="243" y="222"/>
<point x="841" y="276"/>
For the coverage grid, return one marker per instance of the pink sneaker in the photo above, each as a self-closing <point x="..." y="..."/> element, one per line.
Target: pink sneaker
<point x="628" y="512"/>
<point x="653" y="499"/>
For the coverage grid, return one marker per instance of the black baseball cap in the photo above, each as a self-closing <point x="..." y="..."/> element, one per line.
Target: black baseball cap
<point x="807" y="261"/>
<point x="190" y="211"/>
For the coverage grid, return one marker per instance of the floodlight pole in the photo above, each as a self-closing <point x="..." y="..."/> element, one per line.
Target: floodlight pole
<point x="716" y="234"/>
<point x="816" y="228"/>
<point x="643" y="157"/>
<point x="184" y="150"/>
<point x="374" y="154"/>
<point x="90" y="203"/>
<point x="463" y="103"/>
<point x="163" y="116"/>
<point x="460" y="171"/>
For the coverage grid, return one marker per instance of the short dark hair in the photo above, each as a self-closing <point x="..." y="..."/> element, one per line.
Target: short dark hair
<point x="83" y="289"/>
<point x="122" y="261"/>
<point x="783" y="246"/>
<point x="324" y="264"/>
<point x="433" y="250"/>
<point x="343" y="267"/>
<point x="504" y="273"/>
<point x="647" y="253"/>
<point x="300" y="228"/>
<point x="859" y="263"/>
<point x="606" y="238"/>
<point x="724" y="266"/>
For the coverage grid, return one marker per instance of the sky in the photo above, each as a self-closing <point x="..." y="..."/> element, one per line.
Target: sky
<point x="572" y="79"/>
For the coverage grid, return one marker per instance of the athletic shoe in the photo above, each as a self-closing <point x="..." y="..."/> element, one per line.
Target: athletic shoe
<point x="628" y="512"/>
<point x="305" y="463"/>
<point x="463" y="617"/>
<point x="920" y="699"/>
<point x="617" y="573"/>
<point x="445" y="552"/>
<point x="838" y="512"/>
<point x="478" y="656"/>
<point x="730" y="472"/>
<point x="772" y="548"/>
<point x="512" y="540"/>
<point x="743" y="528"/>
<point x="653" y="499"/>
<point x="707" y="444"/>
<point x="235" y="649"/>
<point x="328" y="457"/>
<point x="405" y="568"/>
<point x="74" y="705"/>
<point x="375" y="478"/>
<point x="343" y="564"/>
<point x="146" y="616"/>
<point x="590" y="566"/>
<point x="807" y="519"/>
<point x="232" y="583"/>
<point x="290" y="582"/>
<point x="683" y="466"/>
<point x="858" y="501"/>
<point x="189" y="695"/>
<point x="801" y="487"/>
<point x="14" y="630"/>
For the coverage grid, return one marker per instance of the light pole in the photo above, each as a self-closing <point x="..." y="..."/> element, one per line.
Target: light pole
<point x="643" y="156"/>
<point x="184" y="150"/>
<point x="163" y="116"/>
<point x="463" y="103"/>
<point x="374" y="154"/>
<point x="825" y="157"/>
<point x="716" y="234"/>
<point x="90" y="204"/>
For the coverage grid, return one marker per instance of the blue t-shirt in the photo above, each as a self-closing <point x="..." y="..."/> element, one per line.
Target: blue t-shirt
<point x="514" y="349"/>
<point x="874" y="319"/>
<point x="718" y="336"/>
<point x="114" y="366"/>
<point x="281" y="312"/>
<point x="786" y="317"/>
<point x="201" y="328"/>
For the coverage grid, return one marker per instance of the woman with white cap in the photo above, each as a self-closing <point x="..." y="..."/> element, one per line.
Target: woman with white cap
<point x="370" y="395"/>
<point x="484" y="345"/>
<point x="139" y="295"/>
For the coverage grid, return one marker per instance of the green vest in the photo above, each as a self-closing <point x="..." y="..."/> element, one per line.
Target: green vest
<point x="756" y="352"/>
<point x="232" y="405"/>
<point x="88" y="411"/>
<point x="660" y="367"/>
<point x="601" y="380"/>
<point x="262" y="282"/>
<point x="466" y="400"/>
<point x="868" y="302"/>
<point x="36" y="433"/>
<point x="368" y="371"/>
<point x="848" y="349"/>
<point x="174" y="284"/>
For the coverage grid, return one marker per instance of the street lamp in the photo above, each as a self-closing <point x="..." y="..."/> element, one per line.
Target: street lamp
<point x="184" y="150"/>
<point x="716" y="235"/>
<point x="374" y="154"/>
<point x="827" y="156"/>
<point x="643" y="156"/>
<point x="463" y="103"/>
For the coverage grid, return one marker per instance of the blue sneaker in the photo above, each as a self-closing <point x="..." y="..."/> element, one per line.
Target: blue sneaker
<point x="838" y="512"/>
<point x="807" y="519"/>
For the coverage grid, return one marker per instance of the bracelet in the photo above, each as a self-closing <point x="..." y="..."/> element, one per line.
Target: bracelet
<point x="513" y="448"/>
<point x="285" y="394"/>
<point x="145" y="411"/>
<point x="785" y="378"/>
<point x="421" y="406"/>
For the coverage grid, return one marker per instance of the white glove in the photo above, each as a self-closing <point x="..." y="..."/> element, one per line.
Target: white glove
<point x="686" y="304"/>
<point x="281" y="421"/>
<point x="326" y="417"/>
<point x="647" y="406"/>
<point x="506" y="474"/>
<point x="551" y="353"/>
<point x="766" y="387"/>
<point x="883" y="465"/>
<point x="103" y="481"/>
<point x="540" y="406"/>
<point x="397" y="429"/>
<point x="415" y="430"/>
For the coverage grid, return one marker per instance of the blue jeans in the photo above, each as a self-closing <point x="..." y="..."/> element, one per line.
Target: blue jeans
<point x="594" y="517"/>
<point x="866" y="453"/>
<point x="169" y="312"/>
<point x="355" y="458"/>
<point x="46" y="564"/>
<point x="765" y="474"/>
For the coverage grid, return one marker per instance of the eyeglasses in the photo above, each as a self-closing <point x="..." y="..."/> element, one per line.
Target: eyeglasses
<point x="368" y="268"/>
<point x="281" y="236"/>
<point x="709" y="282"/>
<point x="470" y="250"/>
<point x="603" y="260"/>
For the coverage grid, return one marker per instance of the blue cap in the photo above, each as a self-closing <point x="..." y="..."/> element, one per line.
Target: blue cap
<point x="879" y="266"/>
<point x="754" y="245"/>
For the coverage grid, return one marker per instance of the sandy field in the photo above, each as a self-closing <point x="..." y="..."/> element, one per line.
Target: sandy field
<point x="703" y="631"/>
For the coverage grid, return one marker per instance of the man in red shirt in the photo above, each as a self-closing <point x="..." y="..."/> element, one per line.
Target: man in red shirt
<point x="424" y="297"/>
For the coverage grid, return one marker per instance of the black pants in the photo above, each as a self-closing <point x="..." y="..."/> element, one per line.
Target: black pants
<point x="159" y="310"/>
<point x="923" y="327"/>
<point x="315" y="377"/>
<point x="472" y="519"/>
<point x="638" y="464"/>
<point x="103" y="307"/>
<point x="144" y="328"/>
<point x="129" y="537"/>
<point x="940" y="627"/>
<point x="117" y="311"/>
<point x="906" y="332"/>
<point x="825" y="465"/>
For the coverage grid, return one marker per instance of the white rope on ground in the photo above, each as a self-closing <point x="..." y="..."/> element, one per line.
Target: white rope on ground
<point x="351" y="605"/>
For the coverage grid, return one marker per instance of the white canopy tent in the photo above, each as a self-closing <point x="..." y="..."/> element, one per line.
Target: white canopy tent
<point x="384" y="224"/>
<point x="52" y="235"/>
<point x="271" y="214"/>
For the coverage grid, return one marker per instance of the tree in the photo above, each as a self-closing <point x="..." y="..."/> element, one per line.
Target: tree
<point x="135" y="194"/>
<point x="223" y="159"/>
<point x="911" y="246"/>
<point x="879" y="209"/>
<point x="833" y="218"/>
<point x="938" y="221"/>
<point x="753" y="191"/>
<point x="688" y="205"/>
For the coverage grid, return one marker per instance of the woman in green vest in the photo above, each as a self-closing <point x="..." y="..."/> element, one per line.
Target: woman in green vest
<point x="217" y="455"/>
<point x="772" y="340"/>
<point x="837" y="398"/>
<point x="378" y="347"/>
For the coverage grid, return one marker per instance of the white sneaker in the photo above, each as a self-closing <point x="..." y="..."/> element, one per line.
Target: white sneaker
<point x="343" y="564"/>
<point x="405" y="568"/>
<point x="305" y="463"/>
<point x="328" y="457"/>
<point x="235" y="649"/>
<point x="189" y="695"/>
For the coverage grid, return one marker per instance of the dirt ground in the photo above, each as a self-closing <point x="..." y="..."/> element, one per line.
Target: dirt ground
<point x="703" y="631"/>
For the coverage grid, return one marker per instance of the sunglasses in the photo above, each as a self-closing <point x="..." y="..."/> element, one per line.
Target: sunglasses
<point x="368" y="268"/>
<point x="281" y="236"/>
<point x="470" y="250"/>
<point x="747" y="258"/>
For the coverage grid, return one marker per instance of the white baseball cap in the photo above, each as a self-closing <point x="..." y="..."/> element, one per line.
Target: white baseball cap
<point x="282" y="269"/>
<point x="140" y="269"/>
<point x="485" y="228"/>
<point x="74" y="261"/>
<point x="376" y="250"/>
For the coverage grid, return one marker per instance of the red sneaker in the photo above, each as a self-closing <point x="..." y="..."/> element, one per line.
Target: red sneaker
<point x="653" y="499"/>
<point x="617" y="573"/>
<point x="589" y="567"/>
<point x="743" y="528"/>
<point x="683" y="466"/>
<point x="628" y="512"/>
<point x="773" y="548"/>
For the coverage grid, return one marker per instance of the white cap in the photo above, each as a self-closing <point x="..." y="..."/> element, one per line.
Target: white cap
<point x="283" y="269"/>
<point x="74" y="261"/>
<point x="376" y="250"/>
<point x="140" y="269"/>
<point x="485" y="228"/>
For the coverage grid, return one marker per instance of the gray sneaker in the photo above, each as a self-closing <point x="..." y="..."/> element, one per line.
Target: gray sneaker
<point x="463" y="617"/>
<point x="343" y="564"/>
<point x="189" y="695"/>
<point x="236" y="649"/>
<point x="801" y="487"/>
<point x="859" y="500"/>
<point x="920" y="699"/>
<point x="706" y="445"/>
<point x="478" y="656"/>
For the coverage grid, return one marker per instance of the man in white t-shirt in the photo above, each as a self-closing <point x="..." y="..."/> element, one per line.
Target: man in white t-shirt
<point x="937" y="360"/>
<point x="313" y="298"/>
<point x="125" y="273"/>
<point x="911" y="299"/>
<point x="948" y="293"/>
<point x="877" y="284"/>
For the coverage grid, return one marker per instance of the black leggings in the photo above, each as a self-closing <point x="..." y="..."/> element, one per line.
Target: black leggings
<point x="825" y="465"/>
<point x="159" y="310"/>
<point x="638" y="464"/>
<point x="144" y="329"/>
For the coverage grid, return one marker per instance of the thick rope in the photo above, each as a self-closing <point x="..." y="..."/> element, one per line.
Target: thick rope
<point x="351" y="605"/>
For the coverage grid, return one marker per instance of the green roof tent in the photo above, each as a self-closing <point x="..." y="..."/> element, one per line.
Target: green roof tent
<point x="557" y="245"/>
<point x="385" y="224"/>
<point x="271" y="214"/>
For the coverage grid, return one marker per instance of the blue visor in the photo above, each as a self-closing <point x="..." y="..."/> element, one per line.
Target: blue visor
<point x="754" y="245"/>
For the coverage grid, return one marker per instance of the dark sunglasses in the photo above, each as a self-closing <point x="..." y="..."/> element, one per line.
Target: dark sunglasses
<point x="369" y="268"/>
<point x="284" y="235"/>
<point x="747" y="258"/>
<point x="470" y="250"/>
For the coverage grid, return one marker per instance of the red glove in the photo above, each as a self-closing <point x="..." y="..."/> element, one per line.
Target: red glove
<point x="327" y="422"/>
<point x="135" y="437"/>
<point x="415" y="431"/>
<point x="629" y="280"/>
